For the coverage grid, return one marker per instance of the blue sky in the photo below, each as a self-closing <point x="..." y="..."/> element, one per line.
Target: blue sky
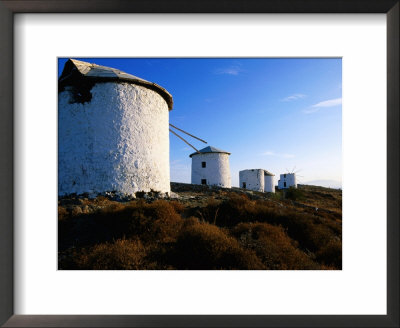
<point x="277" y="114"/>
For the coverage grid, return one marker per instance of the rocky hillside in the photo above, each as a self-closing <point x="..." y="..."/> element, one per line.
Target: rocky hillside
<point x="201" y="227"/>
<point x="319" y="198"/>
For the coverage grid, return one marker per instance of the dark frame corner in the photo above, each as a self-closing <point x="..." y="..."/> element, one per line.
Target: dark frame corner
<point x="7" y="10"/>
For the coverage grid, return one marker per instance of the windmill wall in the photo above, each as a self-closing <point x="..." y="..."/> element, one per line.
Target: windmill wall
<point x="118" y="141"/>
<point x="287" y="180"/>
<point x="252" y="179"/>
<point x="216" y="171"/>
<point x="269" y="185"/>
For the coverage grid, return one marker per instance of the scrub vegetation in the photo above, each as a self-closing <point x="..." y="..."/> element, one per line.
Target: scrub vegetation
<point x="204" y="229"/>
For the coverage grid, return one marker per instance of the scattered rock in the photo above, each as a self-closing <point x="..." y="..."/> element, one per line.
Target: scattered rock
<point x="86" y="209"/>
<point x="173" y="195"/>
<point x="76" y="210"/>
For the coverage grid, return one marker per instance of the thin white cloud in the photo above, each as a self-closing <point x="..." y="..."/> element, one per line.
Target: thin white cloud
<point x="323" y="104"/>
<point x="329" y="103"/>
<point x="232" y="70"/>
<point x="295" y="96"/>
<point x="311" y="110"/>
<point x="281" y="155"/>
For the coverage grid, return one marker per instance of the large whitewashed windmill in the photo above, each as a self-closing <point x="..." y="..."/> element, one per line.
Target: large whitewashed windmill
<point x="113" y="131"/>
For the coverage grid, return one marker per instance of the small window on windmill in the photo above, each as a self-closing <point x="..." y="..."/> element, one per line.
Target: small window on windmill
<point x="284" y="175"/>
<point x="244" y="185"/>
<point x="203" y="164"/>
<point x="284" y="184"/>
<point x="203" y="181"/>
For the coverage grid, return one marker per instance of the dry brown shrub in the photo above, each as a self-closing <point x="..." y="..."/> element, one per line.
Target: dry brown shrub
<point x="167" y="223"/>
<point x="190" y="222"/>
<point x="178" y="207"/>
<point x="269" y="234"/>
<point x="62" y="213"/>
<point x="237" y="208"/>
<point x="122" y="254"/>
<point x="331" y="254"/>
<point x="102" y="200"/>
<point x="205" y="246"/>
<point x="209" y="213"/>
<point x="149" y="222"/>
<point x="308" y="230"/>
<point x="273" y="246"/>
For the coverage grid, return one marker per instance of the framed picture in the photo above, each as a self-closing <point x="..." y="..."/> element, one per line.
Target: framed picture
<point x="197" y="300"/>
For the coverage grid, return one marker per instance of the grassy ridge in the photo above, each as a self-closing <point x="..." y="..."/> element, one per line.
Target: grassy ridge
<point x="227" y="231"/>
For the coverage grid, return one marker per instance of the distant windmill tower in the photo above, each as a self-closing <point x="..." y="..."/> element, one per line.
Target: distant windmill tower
<point x="257" y="180"/>
<point x="210" y="166"/>
<point x="113" y="131"/>
<point x="287" y="180"/>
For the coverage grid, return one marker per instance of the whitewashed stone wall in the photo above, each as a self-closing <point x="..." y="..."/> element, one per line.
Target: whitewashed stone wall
<point x="217" y="171"/>
<point x="289" y="178"/>
<point x="269" y="185"/>
<point x="119" y="141"/>
<point x="254" y="179"/>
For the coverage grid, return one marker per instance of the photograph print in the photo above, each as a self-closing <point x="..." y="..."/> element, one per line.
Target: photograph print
<point x="199" y="163"/>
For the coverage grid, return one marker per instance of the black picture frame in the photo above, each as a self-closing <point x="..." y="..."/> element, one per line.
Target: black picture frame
<point x="10" y="7"/>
